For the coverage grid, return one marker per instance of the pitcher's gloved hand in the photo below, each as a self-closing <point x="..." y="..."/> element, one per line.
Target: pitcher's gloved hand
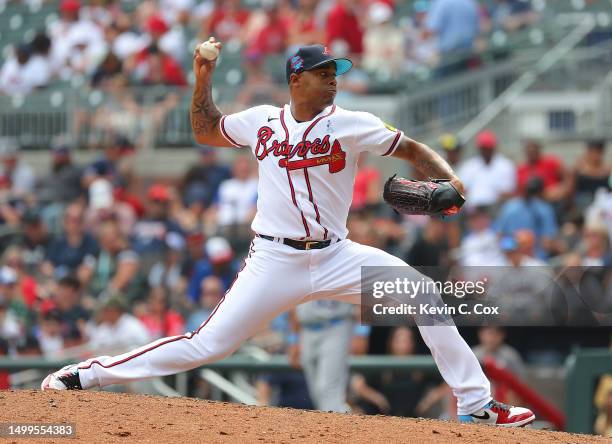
<point x="437" y="197"/>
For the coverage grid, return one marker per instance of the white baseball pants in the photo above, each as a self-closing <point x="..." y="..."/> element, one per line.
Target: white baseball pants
<point x="275" y="278"/>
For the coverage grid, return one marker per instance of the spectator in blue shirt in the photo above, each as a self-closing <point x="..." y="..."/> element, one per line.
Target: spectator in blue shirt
<point x="67" y="252"/>
<point x="530" y="212"/>
<point x="107" y="165"/>
<point x="201" y="182"/>
<point x="149" y="233"/>
<point x="219" y="261"/>
<point x="456" y="24"/>
<point x="211" y="292"/>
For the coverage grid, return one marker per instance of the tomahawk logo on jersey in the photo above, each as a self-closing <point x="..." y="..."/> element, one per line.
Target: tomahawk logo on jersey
<point x="307" y="169"/>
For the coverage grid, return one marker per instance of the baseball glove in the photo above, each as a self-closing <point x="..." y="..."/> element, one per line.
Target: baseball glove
<point x="437" y="197"/>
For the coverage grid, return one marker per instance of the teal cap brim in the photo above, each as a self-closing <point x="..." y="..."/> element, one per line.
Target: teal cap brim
<point x="342" y="65"/>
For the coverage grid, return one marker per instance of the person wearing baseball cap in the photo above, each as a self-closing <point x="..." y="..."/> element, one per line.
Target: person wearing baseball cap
<point x="70" y="5"/>
<point x="156" y="26"/>
<point x="63" y="181"/>
<point x="452" y="148"/>
<point x="159" y="193"/>
<point x="514" y="256"/>
<point x="219" y="261"/>
<point x="12" y="166"/>
<point x="486" y="140"/>
<point x="70" y="9"/>
<point x="117" y="328"/>
<point x="312" y="57"/>
<point x="489" y="177"/>
<point x="307" y="150"/>
<point x="218" y="250"/>
<point x="149" y="232"/>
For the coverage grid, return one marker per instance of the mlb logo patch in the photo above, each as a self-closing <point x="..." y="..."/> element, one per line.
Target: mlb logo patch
<point x="296" y="63"/>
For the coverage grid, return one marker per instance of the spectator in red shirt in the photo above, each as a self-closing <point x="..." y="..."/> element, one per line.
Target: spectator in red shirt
<point x="305" y="30"/>
<point x="153" y="66"/>
<point x="545" y="166"/>
<point x="272" y="36"/>
<point x="24" y="287"/>
<point x="343" y="26"/>
<point x="226" y="21"/>
<point x="268" y="34"/>
<point x="5" y="381"/>
<point x="160" y="320"/>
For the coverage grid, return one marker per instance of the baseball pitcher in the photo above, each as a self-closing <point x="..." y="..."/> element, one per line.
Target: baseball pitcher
<point x="307" y="152"/>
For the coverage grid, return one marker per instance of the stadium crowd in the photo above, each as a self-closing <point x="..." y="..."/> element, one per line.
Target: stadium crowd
<point x="113" y="44"/>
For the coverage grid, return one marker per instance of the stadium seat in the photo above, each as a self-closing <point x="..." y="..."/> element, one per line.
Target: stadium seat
<point x="7" y="51"/>
<point x="15" y="22"/>
<point x="603" y="19"/>
<point x="536" y="36"/>
<point x="275" y="65"/>
<point x="29" y="34"/>
<point x="227" y="62"/>
<point x="51" y="17"/>
<point x="78" y="81"/>
<point x="34" y="6"/>
<point x="233" y="77"/>
<point x="56" y="99"/>
<point x="499" y="39"/>
<point x="95" y="98"/>
<point x="538" y="5"/>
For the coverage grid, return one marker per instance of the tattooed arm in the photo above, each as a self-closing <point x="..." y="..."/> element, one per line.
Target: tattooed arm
<point x="427" y="161"/>
<point x="205" y="115"/>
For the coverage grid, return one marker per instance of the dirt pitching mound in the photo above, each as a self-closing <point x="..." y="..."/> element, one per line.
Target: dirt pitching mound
<point x="102" y="417"/>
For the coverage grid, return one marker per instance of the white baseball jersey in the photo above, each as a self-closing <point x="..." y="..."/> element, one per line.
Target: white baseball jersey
<point x="307" y="169"/>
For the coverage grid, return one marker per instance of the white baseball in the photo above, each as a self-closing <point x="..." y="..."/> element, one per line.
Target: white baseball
<point x="208" y="50"/>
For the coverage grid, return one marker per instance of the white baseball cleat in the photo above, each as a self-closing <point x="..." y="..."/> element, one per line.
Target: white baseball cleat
<point x="66" y="378"/>
<point x="499" y="414"/>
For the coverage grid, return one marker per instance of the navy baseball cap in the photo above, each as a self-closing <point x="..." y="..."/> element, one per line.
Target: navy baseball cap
<point x="315" y="56"/>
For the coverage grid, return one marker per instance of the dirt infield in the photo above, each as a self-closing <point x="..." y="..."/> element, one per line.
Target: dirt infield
<point x="102" y="417"/>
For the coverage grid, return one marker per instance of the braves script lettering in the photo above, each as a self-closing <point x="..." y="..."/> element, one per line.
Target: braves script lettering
<point x="333" y="155"/>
